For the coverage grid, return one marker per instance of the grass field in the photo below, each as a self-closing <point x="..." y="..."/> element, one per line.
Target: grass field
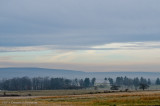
<point x="104" y="99"/>
<point x="51" y="92"/>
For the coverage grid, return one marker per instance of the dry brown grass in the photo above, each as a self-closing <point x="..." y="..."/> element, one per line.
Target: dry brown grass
<point x="119" y="98"/>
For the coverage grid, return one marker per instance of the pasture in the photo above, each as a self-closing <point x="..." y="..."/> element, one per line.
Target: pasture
<point x="82" y="98"/>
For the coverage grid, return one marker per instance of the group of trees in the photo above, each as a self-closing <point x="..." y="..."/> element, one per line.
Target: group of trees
<point x="157" y="81"/>
<point x="46" y="83"/>
<point x="128" y="82"/>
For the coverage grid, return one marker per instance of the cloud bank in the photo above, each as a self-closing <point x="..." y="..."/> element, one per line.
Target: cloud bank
<point x="80" y="23"/>
<point x="88" y="35"/>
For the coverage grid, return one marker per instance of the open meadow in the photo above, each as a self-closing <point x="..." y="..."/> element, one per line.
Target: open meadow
<point x="83" y="99"/>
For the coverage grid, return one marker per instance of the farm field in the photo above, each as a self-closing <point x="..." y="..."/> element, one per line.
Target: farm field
<point x="102" y="99"/>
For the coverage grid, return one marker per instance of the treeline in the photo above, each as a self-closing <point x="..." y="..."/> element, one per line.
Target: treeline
<point x="129" y="82"/>
<point x="157" y="81"/>
<point x="46" y="83"/>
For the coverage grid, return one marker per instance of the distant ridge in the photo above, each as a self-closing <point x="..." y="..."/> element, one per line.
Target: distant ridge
<point x="71" y="74"/>
<point x="37" y="72"/>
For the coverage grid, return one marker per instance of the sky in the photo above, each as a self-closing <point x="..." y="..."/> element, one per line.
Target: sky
<point x="84" y="35"/>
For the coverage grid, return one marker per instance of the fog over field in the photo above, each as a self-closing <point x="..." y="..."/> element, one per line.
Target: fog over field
<point x="8" y="73"/>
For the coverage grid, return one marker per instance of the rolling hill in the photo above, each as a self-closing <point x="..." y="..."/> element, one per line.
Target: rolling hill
<point x="43" y="72"/>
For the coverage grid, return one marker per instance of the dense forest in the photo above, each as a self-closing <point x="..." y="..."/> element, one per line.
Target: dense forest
<point x="46" y="83"/>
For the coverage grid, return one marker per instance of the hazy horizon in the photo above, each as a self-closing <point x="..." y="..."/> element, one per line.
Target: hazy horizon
<point x="90" y="36"/>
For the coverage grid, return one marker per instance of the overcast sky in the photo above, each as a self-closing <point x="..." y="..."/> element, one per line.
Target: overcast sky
<point x="87" y="35"/>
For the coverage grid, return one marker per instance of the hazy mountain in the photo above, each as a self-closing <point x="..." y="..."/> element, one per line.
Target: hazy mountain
<point x="38" y="72"/>
<point x="42" y="72"/>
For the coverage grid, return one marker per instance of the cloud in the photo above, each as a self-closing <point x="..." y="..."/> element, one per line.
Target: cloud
<point x="79" y="23"/>
<point x="85" y="35"/>
<point x="129" y="46"/>
<point x="88" y="67"/>
<point x="114" y="53"/>
<point x="22" y="49"/>
<point x="66" y="48"/>
<point x="130" y="56"/>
